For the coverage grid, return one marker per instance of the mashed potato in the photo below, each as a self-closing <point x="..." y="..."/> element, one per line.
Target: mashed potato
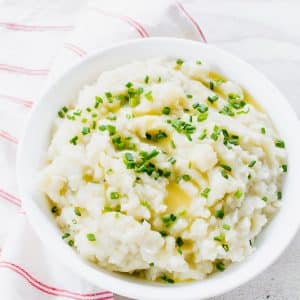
<point x="164" y="170"/>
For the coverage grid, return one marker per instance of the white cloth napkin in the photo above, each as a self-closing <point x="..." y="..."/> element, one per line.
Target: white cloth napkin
<point x="33" y="37"/>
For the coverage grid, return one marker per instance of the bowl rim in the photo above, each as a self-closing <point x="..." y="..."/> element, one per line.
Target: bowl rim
<point x="136" y="289"/>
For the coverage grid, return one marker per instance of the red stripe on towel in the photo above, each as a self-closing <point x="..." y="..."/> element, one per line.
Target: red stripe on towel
<point x="75" y="49"/>
<point x="135" y="24"/>
<point x="26" y="103"/>
<point x="12" y="199"/>
<point x="8" y="137"/>
<point x="103" y="295"/>
<point x="23" y="27"/>
<point x="193" y="21"/>
<point x="25" y="71"/>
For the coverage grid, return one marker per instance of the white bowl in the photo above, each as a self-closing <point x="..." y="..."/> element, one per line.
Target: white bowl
<point x="270" y="243"/>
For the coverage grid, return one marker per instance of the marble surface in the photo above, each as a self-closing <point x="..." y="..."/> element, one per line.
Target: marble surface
<point x="266" y="34"/>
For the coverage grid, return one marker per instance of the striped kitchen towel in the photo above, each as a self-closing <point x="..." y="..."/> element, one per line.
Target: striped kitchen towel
<point x="39" y="40"/>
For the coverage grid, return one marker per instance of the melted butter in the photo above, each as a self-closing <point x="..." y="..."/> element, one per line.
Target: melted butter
<point x="249" y="99"/>
<point x="247" y="96"/>
<point x="177" y="199"/>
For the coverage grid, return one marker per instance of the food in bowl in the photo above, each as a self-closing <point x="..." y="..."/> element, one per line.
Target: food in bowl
<point x="163" y="169"/>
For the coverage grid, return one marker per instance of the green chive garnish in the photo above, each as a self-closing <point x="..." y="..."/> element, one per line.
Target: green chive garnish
<point x="166" y="110"/>
<point x="77" y="211"/>
<point x="252" y="163"/>
<point x="114" y="195"/>
<point x="226" y="226"/>
<point x="179" y="61"/>
<point x="219" y="214"/>
<point x="225" y="167"/>
<point x="205" y="192"/>
<point x="91" y="237"/>
<point x="280" y="144"/>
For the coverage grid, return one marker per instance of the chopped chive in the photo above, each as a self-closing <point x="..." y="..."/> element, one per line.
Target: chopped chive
<point x="227" y="110"/>
<point x="284" y="168"/>
<point x="159" y="79"/>
<point x="77" y="112"/>
<point x="111" y="129"/>
<point x="216" y="133"/>
<point x="225" y="167"/>
<point x="166" y="110"/>
<point x="71" y="118"/>
<point x="238" y="194"/>
<point x="205" y="192"/>
<point x="179" y="241"/>
<point x="263" y="130"/>
<point x="73" y="140"/>
<point x="167" y="279"/>
<point x="220" y="266"/>
<point x="264" y="198"/>
<point x="114" y="195"/>
<point x="65" y="235"/>
<point x="146" y="80"/>
<point x="280" y="144"/>
<point x="102" y="127"/>
<point x="173" y="144"/>
<point x="98" y="101"/>
<point x="179" y="61"/>
<point x="112" y="118"/>
<point x="85" y="130"/>
<point x="151" y="264"/>
<point x="183" y="127"/>
<point x="71" y="243"/>
<point x="198" y="62"/>
<point x="202" y="108"/>
<point x="163" y="233"/>
<point x="129" y="160"/>
<point x="226" y="226"/>
<point x="148" y="136"/>
<point x="129" y="84"/>
<point x="224" y="174"/>
<point x="211" y="85"/>
<point x="54" y="209"/>
<point x="249" y="176"/>
<point x="77" y="211"/>
<point x="172" y="160"/>
<point x="252" y="163"/>
<point x="133" y="102"/>
<point x="186" y="177"/>
<point x="61" y="114"/>
<point x="202" y="117"/>
<point x="219" y="238"/>
<point x="203" y="135"/>
<point x="225" y="247"/>
<point x="189" y="96"/>
<point x="108" y="96"/>
<point x="279" y="195"/>
<point x="212" y="98"/>
<point x="91" y="237"/>
<point x="161" y="135"/>
<point x="219" y="213"/>
<point x="88" y="109"/>
<point x="83" y="120"/>
<point x="149" y="96"/>
<point x="169" y="219"/>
